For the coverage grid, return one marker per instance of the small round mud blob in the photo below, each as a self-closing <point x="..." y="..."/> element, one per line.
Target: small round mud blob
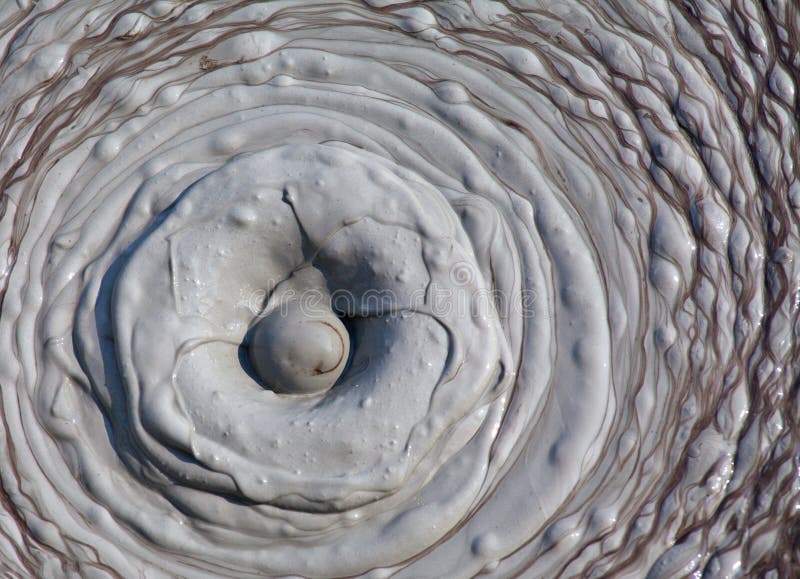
<point x="299" y="352"/>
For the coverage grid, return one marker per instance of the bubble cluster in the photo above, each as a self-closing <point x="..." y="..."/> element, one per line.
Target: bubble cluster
<point x="399" y="289"/>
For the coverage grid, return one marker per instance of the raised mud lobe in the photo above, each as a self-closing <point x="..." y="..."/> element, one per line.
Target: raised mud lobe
<point x="561" y="240"/>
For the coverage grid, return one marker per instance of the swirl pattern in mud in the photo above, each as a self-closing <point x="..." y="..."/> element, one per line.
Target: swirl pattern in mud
<point x="399" y="289"/>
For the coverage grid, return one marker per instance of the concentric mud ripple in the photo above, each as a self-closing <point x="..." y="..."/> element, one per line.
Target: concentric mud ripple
<point x="399" y="289"/>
